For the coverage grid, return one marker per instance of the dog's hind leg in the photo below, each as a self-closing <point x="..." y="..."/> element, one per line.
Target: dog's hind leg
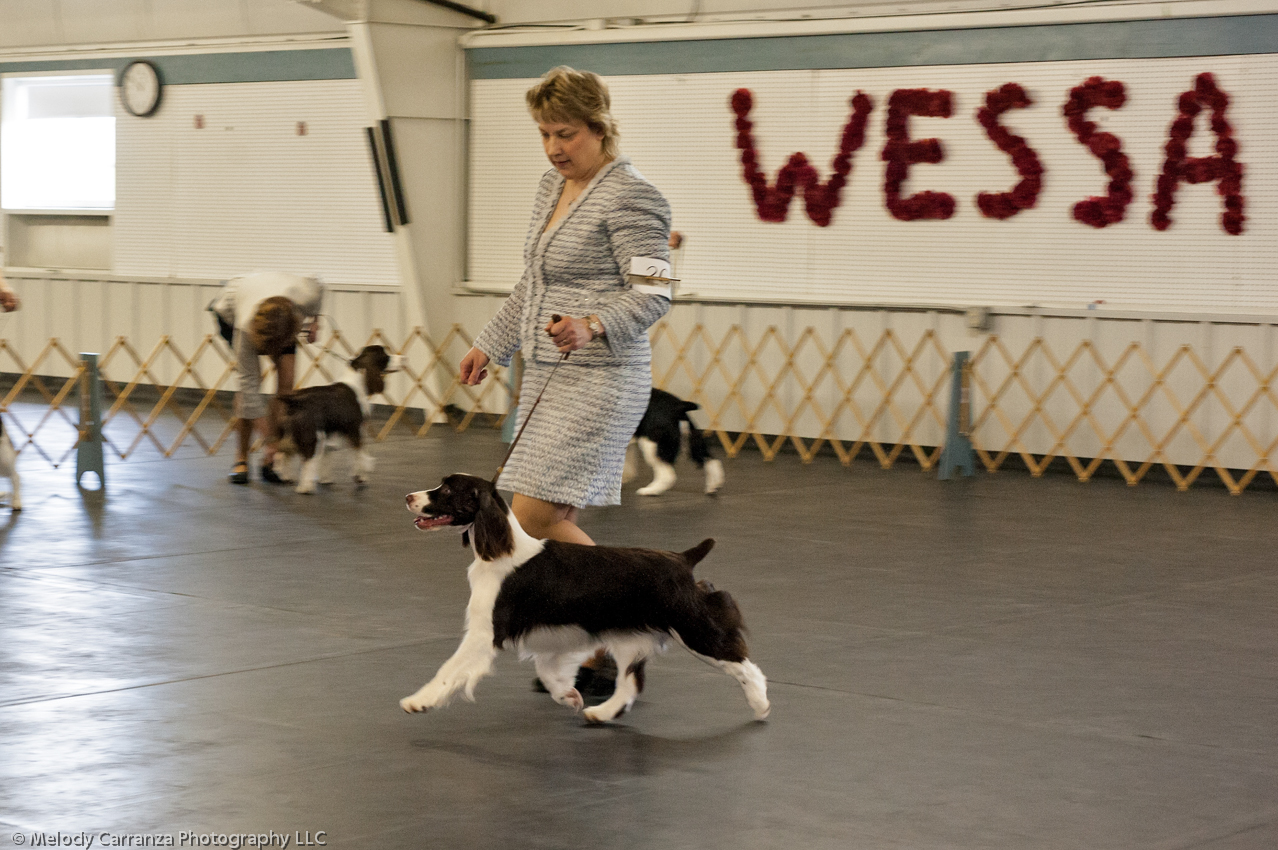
<point x="326" y="462"/>
<point x="558" y="673"/>
<point x="750" y="677"/>
<point x="663" y="472"/>
<point x="699" y="450"/>
<point x="714" y="476"/>
<point x="753" y="682"/>
<point x="310" y="473"/>
<point x="311" y="447"/>
<point x="364" y="464"/>
<point x="630" y="652"/>
<point x="283" y="464"/>
<point x="713" y="634"/>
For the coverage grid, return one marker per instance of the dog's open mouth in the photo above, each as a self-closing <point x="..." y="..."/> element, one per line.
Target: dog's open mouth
<point x="426" y="523"/>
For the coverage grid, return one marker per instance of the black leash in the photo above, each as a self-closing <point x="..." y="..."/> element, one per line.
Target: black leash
<point x="554" y="318"/>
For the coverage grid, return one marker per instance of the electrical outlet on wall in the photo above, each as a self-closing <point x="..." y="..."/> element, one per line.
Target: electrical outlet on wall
<point x="979" y="319"/>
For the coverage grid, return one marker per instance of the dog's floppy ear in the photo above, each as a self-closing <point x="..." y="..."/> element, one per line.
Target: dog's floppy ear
<point x="493" y="537"/>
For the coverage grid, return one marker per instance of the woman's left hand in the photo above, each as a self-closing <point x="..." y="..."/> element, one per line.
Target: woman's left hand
<point x="570" y="334"/>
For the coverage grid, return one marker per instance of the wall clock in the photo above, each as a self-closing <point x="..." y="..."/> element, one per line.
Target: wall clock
<point x="140" y="88"/>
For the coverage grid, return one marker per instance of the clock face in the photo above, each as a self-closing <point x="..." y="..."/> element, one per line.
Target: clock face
<point x="140" y="88"/>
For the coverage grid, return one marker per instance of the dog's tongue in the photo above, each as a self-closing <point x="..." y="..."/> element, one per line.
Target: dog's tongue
<point x="426" y="523"/>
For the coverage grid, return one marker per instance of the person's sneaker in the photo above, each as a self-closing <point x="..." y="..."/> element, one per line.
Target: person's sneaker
<point x="239" y="474"/>
<point x="270" y="476"/>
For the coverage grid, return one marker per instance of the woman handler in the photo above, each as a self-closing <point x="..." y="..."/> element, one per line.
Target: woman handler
<point x="593" y="214"/>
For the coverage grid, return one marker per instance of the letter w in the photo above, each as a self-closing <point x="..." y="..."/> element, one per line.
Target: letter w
<point x="819" y="199"/>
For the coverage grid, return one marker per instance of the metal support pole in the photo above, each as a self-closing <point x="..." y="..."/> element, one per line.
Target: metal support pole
<point x="88" y="455"/>
<point x="957" y="452"/>
<point x="513" y="376"/>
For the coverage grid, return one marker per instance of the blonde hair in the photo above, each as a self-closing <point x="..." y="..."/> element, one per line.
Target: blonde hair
<point x="274" y="326"/>
<point x="570" y="96"/>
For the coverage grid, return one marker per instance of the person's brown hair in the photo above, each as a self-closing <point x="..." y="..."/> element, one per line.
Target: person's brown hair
<point x="569" y="96"/>
<point x="275" y="325"/>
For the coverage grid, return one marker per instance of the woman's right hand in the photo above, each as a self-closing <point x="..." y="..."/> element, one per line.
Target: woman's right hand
<point x="472" y="367"/>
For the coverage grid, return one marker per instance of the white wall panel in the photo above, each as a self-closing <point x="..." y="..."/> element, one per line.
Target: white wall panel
<point x="679" y="131"/>
<point x="246" y="191"/>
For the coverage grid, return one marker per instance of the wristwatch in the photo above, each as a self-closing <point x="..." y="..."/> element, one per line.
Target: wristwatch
<point x="596" y="327"/>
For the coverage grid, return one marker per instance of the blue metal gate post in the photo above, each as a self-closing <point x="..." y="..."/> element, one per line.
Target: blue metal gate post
<point x="513" y="375"/>
<point x="957" y="452"/>
<point x="88" y="456"/>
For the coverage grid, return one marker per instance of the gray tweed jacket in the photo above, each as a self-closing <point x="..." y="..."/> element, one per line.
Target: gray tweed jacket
<point x="579" y="270"/>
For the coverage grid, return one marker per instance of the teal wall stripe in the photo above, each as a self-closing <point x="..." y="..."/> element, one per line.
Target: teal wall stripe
<point x="1223" y="36"/>
<point x="330" y="63"/>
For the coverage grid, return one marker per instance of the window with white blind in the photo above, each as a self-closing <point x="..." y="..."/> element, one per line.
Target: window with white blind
<point x="57" y="142"/>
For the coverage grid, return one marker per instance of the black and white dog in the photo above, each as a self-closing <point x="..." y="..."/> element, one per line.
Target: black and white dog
<point x="308" y="419"/>
<point x="9" y="469"/>
<point x="660" y="435"/>
<point x="558" y="603"/>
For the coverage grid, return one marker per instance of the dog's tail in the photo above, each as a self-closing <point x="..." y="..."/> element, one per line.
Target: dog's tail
<point x="697" y="553"/>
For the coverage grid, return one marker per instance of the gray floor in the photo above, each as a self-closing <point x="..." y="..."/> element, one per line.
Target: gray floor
<point x="1000" y="662"/>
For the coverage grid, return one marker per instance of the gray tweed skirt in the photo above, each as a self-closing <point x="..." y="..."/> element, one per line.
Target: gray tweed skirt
<point x="574" y="448"/>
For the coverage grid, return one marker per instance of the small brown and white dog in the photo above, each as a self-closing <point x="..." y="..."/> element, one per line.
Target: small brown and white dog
<point x="558" y="603"/>
<point x="310" y="419"/>
<point x="9" y="469"/>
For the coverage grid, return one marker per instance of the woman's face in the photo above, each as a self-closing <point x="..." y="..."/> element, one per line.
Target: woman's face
<point x="573" y="149"/>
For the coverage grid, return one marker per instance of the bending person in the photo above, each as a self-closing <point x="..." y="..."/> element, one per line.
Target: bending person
<point x="265" y="312"/>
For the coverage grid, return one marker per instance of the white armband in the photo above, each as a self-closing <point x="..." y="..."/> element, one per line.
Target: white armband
<point x="651" y="276"/>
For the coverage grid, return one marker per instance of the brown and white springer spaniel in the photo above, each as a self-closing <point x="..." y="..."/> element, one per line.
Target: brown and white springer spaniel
<point x="310" y="418"/>
<point x="558" y="603"/>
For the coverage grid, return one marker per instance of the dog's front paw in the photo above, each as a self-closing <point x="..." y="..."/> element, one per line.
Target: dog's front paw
<point x="305" y="488"/>
<point x="433" y="694"/>
<point x="413" y="705"/>
<point x="424" y="700"/>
